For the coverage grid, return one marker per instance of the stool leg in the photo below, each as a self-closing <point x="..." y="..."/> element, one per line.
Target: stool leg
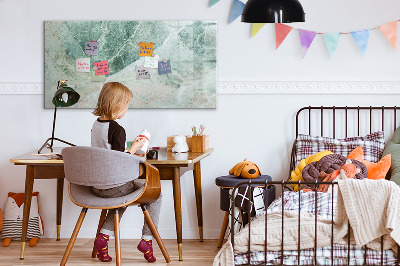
<point x="223" y="229"/>
<point x="101" y="222"/>
<point x="117" y="239"/>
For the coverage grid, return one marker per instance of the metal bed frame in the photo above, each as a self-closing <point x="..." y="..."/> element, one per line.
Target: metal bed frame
<point x="283" y="184"/>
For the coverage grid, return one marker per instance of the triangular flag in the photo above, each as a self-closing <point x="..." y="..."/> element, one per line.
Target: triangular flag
<point x="306" y="39"/>
<point x="255" y="28"/>
<point x="213" y="2"/>
<point x="332" y="41"/>
<point x="281" y="31"/>
<point x="237" y="9"/>
<point x="361" y="37"/>
<point x="390" y="32"/>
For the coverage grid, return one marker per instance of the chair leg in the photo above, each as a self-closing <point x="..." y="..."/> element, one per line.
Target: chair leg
<point x="117" y="239"/>
<point x="73" y="237"/>
<point x="223" y="229"/>
<point x="154" y="230"/>
<point x="101" y="222"/>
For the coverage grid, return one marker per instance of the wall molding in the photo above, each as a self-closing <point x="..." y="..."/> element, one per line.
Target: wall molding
<point x="259" y="87"/>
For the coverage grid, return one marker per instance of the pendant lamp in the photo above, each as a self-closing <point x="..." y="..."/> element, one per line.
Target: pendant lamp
<point x="64" y="96"/>
<point x="272" y="11"/>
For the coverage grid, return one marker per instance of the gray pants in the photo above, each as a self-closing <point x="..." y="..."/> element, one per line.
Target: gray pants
<point x="153" y="208"/>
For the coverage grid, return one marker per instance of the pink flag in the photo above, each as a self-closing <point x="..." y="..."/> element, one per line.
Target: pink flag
<point x="281" y="31"/>
<point x="306" y="39"/>
<point x="389" y="30"/>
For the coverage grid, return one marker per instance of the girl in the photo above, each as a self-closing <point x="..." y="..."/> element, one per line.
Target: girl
<point x="106" y="133"/>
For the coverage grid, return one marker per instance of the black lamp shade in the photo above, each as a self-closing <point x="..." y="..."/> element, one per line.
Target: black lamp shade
<point x="65" y="96"/>
<point x="273" y="11"/>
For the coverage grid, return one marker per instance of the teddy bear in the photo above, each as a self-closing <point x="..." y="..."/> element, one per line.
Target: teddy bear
<point x="13" y="215"/>
<point x="180" y="144"/>
<point x="245" y="169"/>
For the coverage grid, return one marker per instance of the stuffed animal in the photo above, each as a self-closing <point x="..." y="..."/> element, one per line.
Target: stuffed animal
<point x="375" y="170"/>
<point x="245" y="169"/>
<point x="13" y="215"/>
<point x="180" y="144"/>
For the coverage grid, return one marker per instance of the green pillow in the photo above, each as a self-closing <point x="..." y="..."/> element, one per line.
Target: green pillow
<point x="393" y="148"/>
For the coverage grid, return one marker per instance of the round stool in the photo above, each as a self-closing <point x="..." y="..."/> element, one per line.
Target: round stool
<point x="228" y="182"/>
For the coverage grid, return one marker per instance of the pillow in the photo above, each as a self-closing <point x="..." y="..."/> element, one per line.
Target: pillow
<point x="375" y="170"/>
<point x="372" y="144"/>
<point x="393" y="148"/>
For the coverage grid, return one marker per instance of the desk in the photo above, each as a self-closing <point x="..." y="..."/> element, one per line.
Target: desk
<point x="170" y="165"/>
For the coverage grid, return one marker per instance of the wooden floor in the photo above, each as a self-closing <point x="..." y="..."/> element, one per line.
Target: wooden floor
<point x="50" y="252"/>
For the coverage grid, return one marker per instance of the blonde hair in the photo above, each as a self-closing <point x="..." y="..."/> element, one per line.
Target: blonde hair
<point x="113" y="97"/>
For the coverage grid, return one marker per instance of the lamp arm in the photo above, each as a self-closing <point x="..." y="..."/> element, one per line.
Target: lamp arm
<point x="54" y="126"/>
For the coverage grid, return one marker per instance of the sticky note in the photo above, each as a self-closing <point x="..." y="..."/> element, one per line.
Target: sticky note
<point x="99" y="78"/>
<point x="151" y="62"/>
<point x="145" y="48"/>
<point x="102" y="68"/>
<point x="83" y="65"/>
<point x="91" y="48"/>
<point x="164" y="68"/>
<point x="142" y="73"/>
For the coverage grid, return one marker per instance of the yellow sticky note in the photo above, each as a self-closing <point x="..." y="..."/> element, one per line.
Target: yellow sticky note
<point x="145" y="48"/>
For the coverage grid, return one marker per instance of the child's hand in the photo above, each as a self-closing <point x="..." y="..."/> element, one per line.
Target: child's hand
<point x="137" y="144"/>
<point x="142" y="155"/>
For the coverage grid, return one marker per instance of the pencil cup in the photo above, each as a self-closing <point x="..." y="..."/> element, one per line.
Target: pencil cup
<point x="200" y="143"/>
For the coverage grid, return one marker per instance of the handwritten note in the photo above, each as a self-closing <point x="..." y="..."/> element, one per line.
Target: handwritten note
<point x="145" y="48"/>
<point x="83" y="65"/>
<point x="91" y="48"/>
<point x="151" y="62"/>
<point x="142" y="73"/>
<point x="101" y="67"/>
<point x="164" y="67"/>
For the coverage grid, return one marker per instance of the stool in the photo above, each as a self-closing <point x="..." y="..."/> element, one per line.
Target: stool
<point x="228" y="182"/>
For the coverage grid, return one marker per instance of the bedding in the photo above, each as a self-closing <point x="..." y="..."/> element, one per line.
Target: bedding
<point x="325" y="201"/>
<point x="393" y="148"/>
<point x="372" y="144"/>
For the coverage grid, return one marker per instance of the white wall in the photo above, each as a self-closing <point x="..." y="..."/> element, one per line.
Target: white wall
<point x="257" y="127"/>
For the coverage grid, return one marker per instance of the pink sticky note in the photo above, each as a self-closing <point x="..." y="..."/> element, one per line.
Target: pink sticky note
<point x="102" y="68"/>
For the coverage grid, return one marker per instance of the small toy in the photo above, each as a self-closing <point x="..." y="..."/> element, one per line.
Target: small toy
<point x="180" y="144"/>
<point x="13" y="215"/>
<point x="245" y="169"/>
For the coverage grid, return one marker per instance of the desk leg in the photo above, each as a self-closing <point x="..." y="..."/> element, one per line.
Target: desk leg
<point x="27" y="206"/>
<point x="176" y="183"/>
<point x="199" y="204"/>
<point x="60" y="190"/>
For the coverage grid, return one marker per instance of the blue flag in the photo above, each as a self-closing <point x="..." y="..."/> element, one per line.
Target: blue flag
<point x="237" y="9"/>
<point x="332" y="41"/>
<point x="361" y="38"/>
<point x="213" y="2"/>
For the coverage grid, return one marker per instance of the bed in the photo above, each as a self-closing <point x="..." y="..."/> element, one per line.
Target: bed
<point x="301" y="228"/>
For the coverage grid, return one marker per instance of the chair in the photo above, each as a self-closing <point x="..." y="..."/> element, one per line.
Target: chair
<point x="85" y="167"/>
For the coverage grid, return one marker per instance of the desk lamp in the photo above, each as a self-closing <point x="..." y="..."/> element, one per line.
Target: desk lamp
<point x="272" y="11"/>
<point x="65" y="96"/>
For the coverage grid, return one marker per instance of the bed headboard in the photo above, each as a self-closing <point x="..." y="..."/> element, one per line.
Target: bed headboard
<point x="344" y="121"/>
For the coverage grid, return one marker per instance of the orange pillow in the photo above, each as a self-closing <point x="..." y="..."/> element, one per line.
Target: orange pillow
<point x="375" y="170"/>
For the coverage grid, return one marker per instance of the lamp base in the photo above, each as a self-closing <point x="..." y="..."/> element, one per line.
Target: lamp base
<point x="50" y="146"/>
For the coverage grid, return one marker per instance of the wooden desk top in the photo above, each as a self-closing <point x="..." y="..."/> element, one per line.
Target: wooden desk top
<point x="164" y="157"/>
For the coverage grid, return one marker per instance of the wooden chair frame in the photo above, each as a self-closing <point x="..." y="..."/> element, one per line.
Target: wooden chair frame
<point x="150" y="193"/>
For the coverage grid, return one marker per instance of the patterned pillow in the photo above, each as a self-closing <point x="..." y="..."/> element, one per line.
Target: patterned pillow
<point x="372" y="145"/>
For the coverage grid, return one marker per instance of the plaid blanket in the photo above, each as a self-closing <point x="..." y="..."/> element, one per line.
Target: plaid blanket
<point x="322" y="204"/>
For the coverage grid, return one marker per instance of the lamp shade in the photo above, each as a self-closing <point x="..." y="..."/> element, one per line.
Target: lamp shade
<point x="65" y="96"/>
<point x="273" y="11"/>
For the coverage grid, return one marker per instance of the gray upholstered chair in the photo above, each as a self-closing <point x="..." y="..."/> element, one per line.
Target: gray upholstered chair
<point x="85" y="167"/>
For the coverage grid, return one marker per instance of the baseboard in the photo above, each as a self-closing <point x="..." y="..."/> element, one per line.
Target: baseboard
<point x="259" y="87"/>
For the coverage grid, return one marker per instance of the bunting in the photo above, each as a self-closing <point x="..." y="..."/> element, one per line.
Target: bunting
<point x="256" y="28"/>
<point x="237" y="9"/>
<point x="361" y="37"/>
<point x="389" y="30"/>
<point x="332" y="41"/>
<point x="281" y="31"/>
<point x="213" y="2"/>
<point x="306" y="39"/>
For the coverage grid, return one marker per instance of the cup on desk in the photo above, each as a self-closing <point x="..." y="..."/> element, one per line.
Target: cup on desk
<point x="152" y="155"/>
